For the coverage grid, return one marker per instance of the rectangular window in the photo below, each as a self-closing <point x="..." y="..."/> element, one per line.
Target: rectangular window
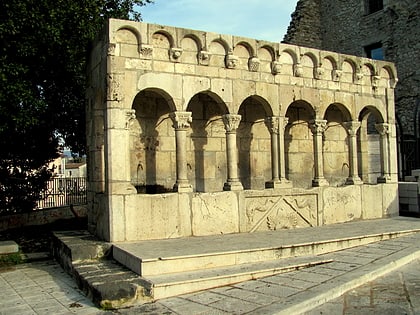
<point x="375" y="51"/>
<point x="374" y="6"/>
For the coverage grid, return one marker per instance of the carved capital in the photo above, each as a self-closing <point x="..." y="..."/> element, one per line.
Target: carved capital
<point x="231" y="122"/>
<point x="175" y="54"/>
<point x="285" y="122"/>
<point x="383" y="129"/>
<point x="272" y="124"/>
<point x="352" y="127"/>
<point x="318" y="126"/>
<point x="181" y="120"/>
<point x="130" y="115"/>
<point x="111" y="49"/>
<point x="375" y="81"/>
<point x="298" y="70"/>
<point x="254" y="64"/>
<point x="337" y="75"/>
<point x="359" y="77"/>
<point x="276" y="67"/>
<point x="146" y="51"/>
<point x="319" y="72"/>
<point x="204" y="58"/>
<point x="231" y="61"/>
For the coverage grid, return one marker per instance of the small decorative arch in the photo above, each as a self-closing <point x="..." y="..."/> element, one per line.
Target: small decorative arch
<point x="254" y="143"/>
<point x="167" y="35"/>
<point x="298" y="143"/>
<point x="207" y="169"/>
<point x="151" y="142"/>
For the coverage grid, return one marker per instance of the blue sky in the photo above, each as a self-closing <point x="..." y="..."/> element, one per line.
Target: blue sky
<point x="259" y="19"/>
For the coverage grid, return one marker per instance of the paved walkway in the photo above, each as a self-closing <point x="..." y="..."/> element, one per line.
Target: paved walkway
<point x="44" y="288"/>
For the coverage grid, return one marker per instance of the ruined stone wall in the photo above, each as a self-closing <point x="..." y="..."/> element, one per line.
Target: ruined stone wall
<point x="345" y="27"/>
<point x="305" y="26"/>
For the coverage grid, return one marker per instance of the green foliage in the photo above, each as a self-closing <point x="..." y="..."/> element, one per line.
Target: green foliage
<point x="43" y="51"/>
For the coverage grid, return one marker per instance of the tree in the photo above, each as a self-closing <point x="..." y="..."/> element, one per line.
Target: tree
<point x="43" y="52"/>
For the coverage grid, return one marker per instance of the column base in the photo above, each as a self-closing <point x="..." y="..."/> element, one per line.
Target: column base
<point x="354" y="181"/>
<point x="320" y="182"/>
<point x="281" y="183"/>
<point x="233" y="186"/>
<point x="183" y="187"/>
<point x="383" y="179"/>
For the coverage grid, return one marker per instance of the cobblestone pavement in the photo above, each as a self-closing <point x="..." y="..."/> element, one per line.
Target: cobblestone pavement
<point x="44" y="288"/>
<point x="393" y="294"/>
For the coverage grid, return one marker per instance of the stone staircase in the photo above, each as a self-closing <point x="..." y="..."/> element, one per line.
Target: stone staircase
<point x="139" y="272"/>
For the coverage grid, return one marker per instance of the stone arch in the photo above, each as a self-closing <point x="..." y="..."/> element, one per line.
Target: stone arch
<point x="128" y="39"/>
<point x="368" y="71"/>
<point x="309" y="63"/>
<point x="254" y="143"/>
<point x="298" y="140"/>
<point x="329" y="64"/>
<point x="162" y="42"/>
<point x="387" y="78"/>
<point x="369" y="144"/>
<point x="207" y="167"/>
<point x="287" y="60"/>
<point x="190" y="46"/>
<point x="243" y="52"/>
<point x="348" y="68"/>
<point x="336" y="145"/>
<point x="218" y="50"/>
<point x="266" y="57"/>
<point x="152" y="144"/>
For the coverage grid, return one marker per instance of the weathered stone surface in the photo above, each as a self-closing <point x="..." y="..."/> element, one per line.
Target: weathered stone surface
<point x="183" y="115"/>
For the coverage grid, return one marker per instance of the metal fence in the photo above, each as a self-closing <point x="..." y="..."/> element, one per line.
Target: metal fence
<point x="63" y="192"/>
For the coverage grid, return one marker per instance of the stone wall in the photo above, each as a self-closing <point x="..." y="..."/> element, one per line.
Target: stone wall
<point x="344" y="26"/>
<point x="196" y="133"/>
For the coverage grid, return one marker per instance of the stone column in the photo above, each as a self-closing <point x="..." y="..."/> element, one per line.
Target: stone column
<point x="272" y="124"/>
<point x="352" y="127"/>
<point x="181" y="123"/>
<point x="318" y="127"/>
<point x="282" y="160"/>
<point x="383" y="130"/>
<point x="231" y="123"/>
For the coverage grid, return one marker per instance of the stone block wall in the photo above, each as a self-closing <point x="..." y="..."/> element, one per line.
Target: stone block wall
<point x="196" y="133"/>
<point x="346" y="27"/>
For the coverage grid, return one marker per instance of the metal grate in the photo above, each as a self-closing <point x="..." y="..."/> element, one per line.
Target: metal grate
<point x="63" y="192"/>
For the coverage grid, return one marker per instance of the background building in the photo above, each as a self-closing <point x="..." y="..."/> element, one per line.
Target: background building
<point x="378" y="29"/>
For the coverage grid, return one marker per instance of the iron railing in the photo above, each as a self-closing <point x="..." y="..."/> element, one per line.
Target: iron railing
<point x="63" y="192"/>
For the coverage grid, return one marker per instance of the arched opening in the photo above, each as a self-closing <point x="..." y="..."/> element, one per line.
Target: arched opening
<point x="254" y="144"/>
<point x="298" y="140"/>
<point x="152" y="144"/>
<point x="369" y="149"/>
<point x="336" y="145"/>
<point x="206" y="153"/>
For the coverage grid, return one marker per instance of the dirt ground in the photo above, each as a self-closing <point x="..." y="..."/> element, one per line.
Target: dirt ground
<point x="37" y="239"/>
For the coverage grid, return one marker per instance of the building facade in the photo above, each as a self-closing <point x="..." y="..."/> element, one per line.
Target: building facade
<point x="195" y="133"/>
<point x="378" y="29"/>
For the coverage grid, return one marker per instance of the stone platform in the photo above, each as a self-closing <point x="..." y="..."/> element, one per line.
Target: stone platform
<point x="165" y="268"/>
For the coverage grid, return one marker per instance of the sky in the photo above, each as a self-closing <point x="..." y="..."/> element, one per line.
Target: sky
<point x="258" y="19"/>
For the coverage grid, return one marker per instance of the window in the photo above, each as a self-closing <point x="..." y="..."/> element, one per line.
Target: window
<point x="374" y="6"/>
<point x="375" y="51"/>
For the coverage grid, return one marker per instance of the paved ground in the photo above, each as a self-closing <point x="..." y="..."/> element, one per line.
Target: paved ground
<point x="44" y="288"/>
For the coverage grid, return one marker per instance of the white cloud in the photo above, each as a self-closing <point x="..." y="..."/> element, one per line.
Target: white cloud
<point x="267" y="20"/>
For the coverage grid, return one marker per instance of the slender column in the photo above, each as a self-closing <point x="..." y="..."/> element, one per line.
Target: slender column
<point x="282" y="176"/>
<point x="231" y="123"/>
<point x="383" y="130"/>
<point x="272" y="124"/>
<point x="318" y="128"/>
<point x="181" y="123"/>
<point x="352" y="127"/>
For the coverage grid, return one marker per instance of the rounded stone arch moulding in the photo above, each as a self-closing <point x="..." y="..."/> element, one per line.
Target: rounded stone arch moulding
<point x="223" y="106"/>
<point x="162" y="93"/>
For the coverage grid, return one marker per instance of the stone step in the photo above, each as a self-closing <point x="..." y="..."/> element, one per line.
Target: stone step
<point x="198" y="253"/>
<point x="169" y="285"/>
